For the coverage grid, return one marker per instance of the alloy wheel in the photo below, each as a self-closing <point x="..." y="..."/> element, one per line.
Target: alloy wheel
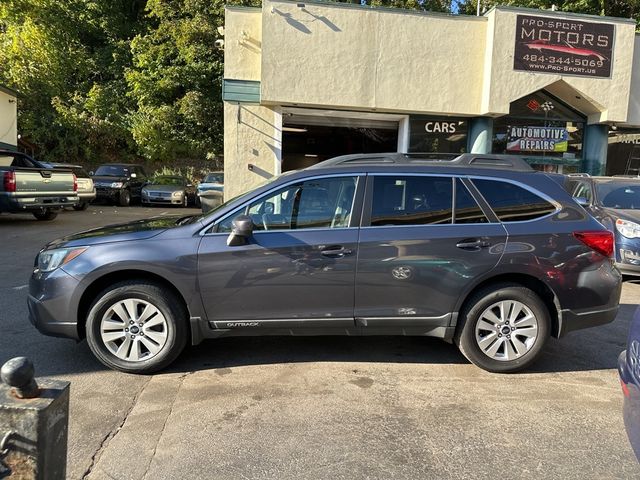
<point x="134" y="330"/>
<point x="506" y="330"/>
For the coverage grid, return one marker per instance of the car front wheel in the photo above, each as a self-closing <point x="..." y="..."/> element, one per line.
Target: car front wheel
<point x="137" y="327"/>
<point x="504" y="328"/>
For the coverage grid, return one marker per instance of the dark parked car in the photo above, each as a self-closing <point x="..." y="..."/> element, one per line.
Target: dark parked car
<point x="629" y="370"/>
<point x="86" y="189"/>
<point x="169" y="190"/>
<point x="119" y="182"/>
<point x="615" y="202"/>
<point x="480" y="251"/>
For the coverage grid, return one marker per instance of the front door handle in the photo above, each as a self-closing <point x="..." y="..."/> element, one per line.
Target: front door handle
<point x="472" y="244"/>
<point x="336" y="251"/>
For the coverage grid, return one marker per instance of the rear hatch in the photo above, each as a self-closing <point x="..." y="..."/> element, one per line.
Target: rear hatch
<point x="44" y="181"/>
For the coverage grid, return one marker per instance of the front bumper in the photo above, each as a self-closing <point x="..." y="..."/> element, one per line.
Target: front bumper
<point x="50" y="302"/>
<point x="631" y="405"/>
<point x="106" y="193"/>
<point x="628" y="255"/>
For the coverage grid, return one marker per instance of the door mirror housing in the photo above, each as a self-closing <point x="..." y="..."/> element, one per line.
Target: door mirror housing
<point x="582" y="201"/>
<point x="241" y="231"/>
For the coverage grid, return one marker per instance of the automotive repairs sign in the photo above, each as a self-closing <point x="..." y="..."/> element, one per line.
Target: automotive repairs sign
<point x="562" y="46"/>
<point x="538" y="139"/>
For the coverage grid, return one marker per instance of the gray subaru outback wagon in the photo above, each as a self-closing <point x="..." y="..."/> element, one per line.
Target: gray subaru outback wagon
<point x="481" y="251"/>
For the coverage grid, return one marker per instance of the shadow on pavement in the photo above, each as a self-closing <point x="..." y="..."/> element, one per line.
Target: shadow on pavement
<point x="592" y="349"/>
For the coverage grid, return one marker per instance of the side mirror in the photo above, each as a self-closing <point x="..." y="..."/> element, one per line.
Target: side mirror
<point x="241" y="231"/>
<point x="582" y="201"/>
<point x="92" y="173"/>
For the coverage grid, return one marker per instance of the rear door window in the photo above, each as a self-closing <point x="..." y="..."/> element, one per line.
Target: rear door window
<point x="512" y="203"/>
<point x="467" y="209"/>
<point x="411" y="200"/>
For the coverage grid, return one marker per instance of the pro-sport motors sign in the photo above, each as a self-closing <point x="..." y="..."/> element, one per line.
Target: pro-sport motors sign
<point x="565" y="47"/>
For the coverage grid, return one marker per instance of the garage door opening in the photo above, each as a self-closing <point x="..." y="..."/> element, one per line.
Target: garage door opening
<point x="307" y="139"/>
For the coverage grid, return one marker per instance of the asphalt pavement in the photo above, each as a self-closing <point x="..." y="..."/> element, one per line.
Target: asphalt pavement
<point x="323" y="407"/>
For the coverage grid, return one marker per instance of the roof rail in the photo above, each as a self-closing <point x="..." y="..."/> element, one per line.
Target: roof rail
<point x="474" y="160"/>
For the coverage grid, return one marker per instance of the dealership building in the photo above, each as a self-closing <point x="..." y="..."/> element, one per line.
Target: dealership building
<point x="306" y="81"/>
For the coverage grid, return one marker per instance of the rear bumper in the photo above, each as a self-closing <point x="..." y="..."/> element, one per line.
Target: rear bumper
<point x="86" y="196"/>
<point x="51" y="309"/>
<point x="577" y="320"/>
<point x="17" y="204"/>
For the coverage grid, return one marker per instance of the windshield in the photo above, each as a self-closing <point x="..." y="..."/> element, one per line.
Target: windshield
<point x="167" y="181"/>
<point x="214" y="178"/>
<point x="112" y="171"/>
<point x="620" y="194"/>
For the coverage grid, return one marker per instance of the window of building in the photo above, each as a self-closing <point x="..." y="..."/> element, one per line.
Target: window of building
<point x="543" y="129"/>
<point x="623" y="153"/>
<point x="512" y="203"/>
<point x="437" y="134"/>
<point x="467" y="210"/>
<point x="319" y="203"/>
<point x="411" y="200"/>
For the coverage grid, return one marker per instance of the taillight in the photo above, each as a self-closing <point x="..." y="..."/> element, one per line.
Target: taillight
<point x="75" y="182"/>
<point x="599" y="240"/>
<point x="9" y="181"/>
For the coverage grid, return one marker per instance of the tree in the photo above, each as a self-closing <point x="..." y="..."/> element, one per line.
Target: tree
<point x="67" y="59"/>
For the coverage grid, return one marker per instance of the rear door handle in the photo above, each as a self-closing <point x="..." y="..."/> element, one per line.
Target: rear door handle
<point x="472" y="244"/>
<point x="337" y="251"/>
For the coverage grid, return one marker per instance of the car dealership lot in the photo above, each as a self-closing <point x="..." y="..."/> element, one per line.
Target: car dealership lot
<point x="326" y="407"/>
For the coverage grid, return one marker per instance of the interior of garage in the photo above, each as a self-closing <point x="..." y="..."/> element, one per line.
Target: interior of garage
<point x="308" y="139"/>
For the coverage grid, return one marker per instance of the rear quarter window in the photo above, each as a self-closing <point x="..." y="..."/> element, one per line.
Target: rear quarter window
<point x="512" y="203"/>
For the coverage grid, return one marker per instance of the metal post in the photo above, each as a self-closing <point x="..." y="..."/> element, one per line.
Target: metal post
<point x="34" y="419"/>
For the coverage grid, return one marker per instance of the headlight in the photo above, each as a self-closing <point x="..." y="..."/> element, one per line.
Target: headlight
<point x="176" y="194"/>
<point x="116" y="185"/>
<point x="49" y="260"/>
<point x="628" y="229"/>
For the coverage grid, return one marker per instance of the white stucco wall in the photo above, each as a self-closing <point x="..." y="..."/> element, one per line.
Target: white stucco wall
<point x="252" y="135"/>
<point x="8" y="119"/>
<point x="388" y="60"/>
<point x="242" y="43"/>
<point x="634" y="97"/>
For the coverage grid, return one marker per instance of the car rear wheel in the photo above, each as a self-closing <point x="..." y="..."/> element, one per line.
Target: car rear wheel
<point x="503" y="328"/>
<point x="125" y="198"/>
<point x="81" y="206"/>
<point x="45" y="214"/>
<point x="137" y="327"/>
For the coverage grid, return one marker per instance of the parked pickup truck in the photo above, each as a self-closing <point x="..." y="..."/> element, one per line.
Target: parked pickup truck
<point x="30" y="186"/>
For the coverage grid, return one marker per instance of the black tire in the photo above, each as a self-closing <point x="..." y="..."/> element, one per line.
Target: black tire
<point x="159" y="297"/>
<point x="81" y="206"/>
<point x="45" y="215"/>
<point x="465" y="337"/>
<point x="125" y="198"/>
